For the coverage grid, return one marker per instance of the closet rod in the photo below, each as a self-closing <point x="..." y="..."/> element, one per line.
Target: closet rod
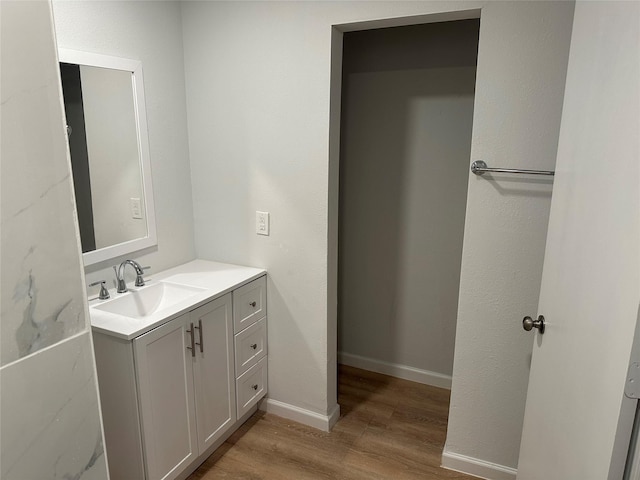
<point x="480" y="168"/>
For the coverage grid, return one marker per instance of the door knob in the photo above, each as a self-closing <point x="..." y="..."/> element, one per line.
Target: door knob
<point x="528" y="323"/>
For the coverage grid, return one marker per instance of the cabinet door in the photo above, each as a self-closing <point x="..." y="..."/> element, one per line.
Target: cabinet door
<point x="165" y="385"/>
<point x="213" y="370"/>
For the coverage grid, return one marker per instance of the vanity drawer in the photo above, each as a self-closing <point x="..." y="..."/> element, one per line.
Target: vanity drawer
<point x="249" y="303"/>
<point x="250" y="346"/>
<point x="251" y="386"/>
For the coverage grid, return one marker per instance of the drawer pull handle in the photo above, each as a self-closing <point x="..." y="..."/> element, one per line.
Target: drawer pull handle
<point x="253" y="304"/>
<point x="193" y="341"/>
<point x="255" y="387"/>
<point x="199" y="328"/>
<point x="254" y="346"/>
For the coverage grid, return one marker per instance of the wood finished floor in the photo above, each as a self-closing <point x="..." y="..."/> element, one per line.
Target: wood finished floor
<point x="388" y="429"/>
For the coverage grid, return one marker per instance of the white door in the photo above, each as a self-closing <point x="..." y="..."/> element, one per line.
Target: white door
<point x="577" y="417"/>
<point x="165" y="385"/>
<point x="213" y="371"/>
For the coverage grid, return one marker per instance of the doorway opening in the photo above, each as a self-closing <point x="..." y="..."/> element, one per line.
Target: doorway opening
<point x="406" y="119"/>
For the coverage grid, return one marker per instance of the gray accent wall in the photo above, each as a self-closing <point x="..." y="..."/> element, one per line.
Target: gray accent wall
<point x="407" y="110"/>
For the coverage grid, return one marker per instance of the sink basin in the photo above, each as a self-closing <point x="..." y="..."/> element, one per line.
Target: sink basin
<point x="145" y="301"/>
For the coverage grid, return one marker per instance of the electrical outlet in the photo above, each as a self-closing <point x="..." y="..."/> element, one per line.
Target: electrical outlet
<point x="262" y="223"/>
<point x="136" y="208"/>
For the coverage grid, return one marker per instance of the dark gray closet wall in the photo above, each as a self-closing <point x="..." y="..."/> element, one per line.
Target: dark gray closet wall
<point x="407" y="110"/>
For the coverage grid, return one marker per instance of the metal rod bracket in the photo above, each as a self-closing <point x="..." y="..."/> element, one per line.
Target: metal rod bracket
<point x="632" y="387"/>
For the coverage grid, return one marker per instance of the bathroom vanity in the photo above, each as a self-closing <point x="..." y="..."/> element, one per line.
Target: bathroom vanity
<point x="182" y="363"/>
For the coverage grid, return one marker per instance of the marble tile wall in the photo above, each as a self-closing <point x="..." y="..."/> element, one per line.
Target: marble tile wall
<point x="42" y="300"/>
<point x="50" y="424"/>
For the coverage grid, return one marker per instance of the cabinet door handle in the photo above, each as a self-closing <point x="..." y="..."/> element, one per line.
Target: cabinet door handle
<point x="193" y="341"/>
<point x="253" y="304"/>
<point x="199" y="328"/>
<point x="254" y="346"/>
<point x="255" y="387"/>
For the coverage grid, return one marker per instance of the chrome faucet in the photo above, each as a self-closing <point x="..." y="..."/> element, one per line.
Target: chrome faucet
<point x="122" y="286"/>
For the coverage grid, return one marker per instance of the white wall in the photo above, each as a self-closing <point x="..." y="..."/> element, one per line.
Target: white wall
<point x="152" y="33"/>
<point x="50" y="424"/>
<point x="258" y="79"/>
<point x="404" y="167"/>
<point x="258" y="93"/>
<point x="112" y="148"/>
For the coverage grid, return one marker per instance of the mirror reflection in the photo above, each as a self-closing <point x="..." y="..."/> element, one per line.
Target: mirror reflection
<point x="103" y="141"/>
<point x="106" y="128"/>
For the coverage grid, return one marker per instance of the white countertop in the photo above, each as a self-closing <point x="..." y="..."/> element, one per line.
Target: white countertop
<point x="216" y="279"/>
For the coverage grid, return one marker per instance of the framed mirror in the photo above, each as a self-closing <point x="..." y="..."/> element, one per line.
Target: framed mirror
<point x="109" y="146"/>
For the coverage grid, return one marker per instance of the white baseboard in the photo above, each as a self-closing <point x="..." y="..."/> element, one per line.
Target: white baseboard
<point x="300" y="415"/>
<point x="476" y="467"/>
<point x="396" y="370"/>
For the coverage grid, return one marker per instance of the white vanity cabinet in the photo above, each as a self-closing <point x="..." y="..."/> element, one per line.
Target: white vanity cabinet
<point x="186" y="387"/>
<point x="172" y="391"/>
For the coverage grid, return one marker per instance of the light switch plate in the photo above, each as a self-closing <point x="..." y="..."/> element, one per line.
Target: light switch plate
<point x="136" y="208"/>
<point x="262" y="223"/>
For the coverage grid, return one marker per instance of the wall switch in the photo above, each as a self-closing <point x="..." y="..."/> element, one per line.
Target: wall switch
<point x="262" y="223"/>
<point x="136" y="208"/>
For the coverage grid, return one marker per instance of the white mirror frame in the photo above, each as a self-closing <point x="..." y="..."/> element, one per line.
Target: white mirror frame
<point x="135" y="67"/>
